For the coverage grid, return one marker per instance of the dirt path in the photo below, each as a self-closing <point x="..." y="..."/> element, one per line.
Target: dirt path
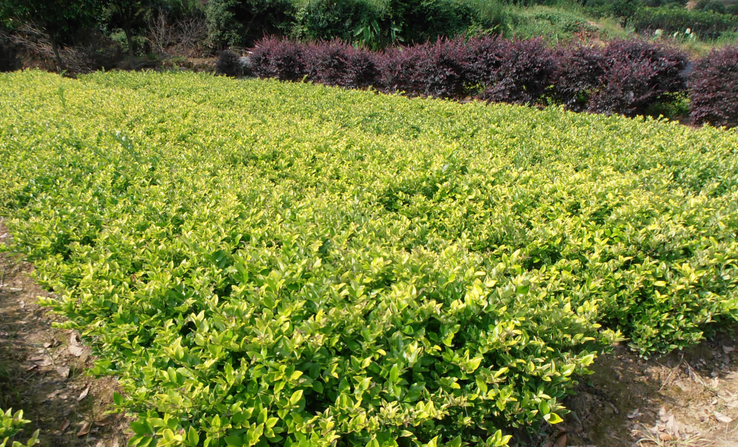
<point x="42" y="369"/>
<point x="687" y="399"/>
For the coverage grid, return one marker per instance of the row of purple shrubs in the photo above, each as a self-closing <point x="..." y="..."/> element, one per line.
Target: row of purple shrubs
<point x="624" y="76"/>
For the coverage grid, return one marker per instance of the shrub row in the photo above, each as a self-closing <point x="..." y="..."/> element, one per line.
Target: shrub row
<point x="714" y="88"/>
<point x="707" y="24"/>
<point x="628" y="77"/>
<point x="284" y="264"/>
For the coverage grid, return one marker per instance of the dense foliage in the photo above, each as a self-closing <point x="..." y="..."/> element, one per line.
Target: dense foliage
<point x="11" y="424"/>
<point x="9" y="60"/>
<point x="625" y="77"/>
<point x="280" y="59"/>
<point x="230" y="64"/>
<point x="59" y="20"/>
<point x="714" y="88"/>
<point x="266" y="263"/>
<point x="242" y="22"/>
<point x="635" y="75"/>
<point x="707" y="24"/>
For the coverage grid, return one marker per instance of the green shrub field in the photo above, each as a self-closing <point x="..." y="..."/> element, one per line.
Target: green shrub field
<point x="266" y="263"/>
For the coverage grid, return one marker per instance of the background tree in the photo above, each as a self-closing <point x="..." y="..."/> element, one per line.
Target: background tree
<point x="60" y="21"/>
<point x="131" y="16"/>
<point x="242" y="22"/>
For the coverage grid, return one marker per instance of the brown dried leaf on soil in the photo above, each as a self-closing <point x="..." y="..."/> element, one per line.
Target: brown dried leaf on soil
<point x="720" y="417"/>
<point x="84" y="393"/>
<point x="63" y="371"/>
<point x="84" y="430"/>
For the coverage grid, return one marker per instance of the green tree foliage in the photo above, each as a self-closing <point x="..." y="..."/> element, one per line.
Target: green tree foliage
<point x="59" y="20"/>
<point x="423" y="20"/>
<point x="130" y="16"/>
<point x="242" y="22"/>
<point x="711" y="5"/>
<point x="343" y="19"/>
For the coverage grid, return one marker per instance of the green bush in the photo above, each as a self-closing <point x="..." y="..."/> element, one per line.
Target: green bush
<point x="706" y="24"/>
<point x="240" y="23"/>
<point x="710" y="5"/>
<point x="268" y="263"/>
<point x="550" y="23"/>
<point x="426" y="20"/>
<point x="328" y="19"/>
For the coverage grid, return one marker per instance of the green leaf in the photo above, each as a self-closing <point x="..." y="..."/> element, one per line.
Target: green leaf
<point x="193" y="437"/>
<point x="296" y="396"/>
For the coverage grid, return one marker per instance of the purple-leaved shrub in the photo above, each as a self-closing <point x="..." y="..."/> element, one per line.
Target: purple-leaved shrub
<point x="579" y="70"/>
<point x="714" y="88"/>
<point x="280" y="59"/>
<point x="440" y="68"/>
<point x="326" y="62"/>
<point x="527" y="69"/>
<point x="637" y="74"/>
<point x="397" y="68"/>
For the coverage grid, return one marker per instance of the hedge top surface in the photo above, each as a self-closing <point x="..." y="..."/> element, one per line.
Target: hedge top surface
<point x="266" y="263"/>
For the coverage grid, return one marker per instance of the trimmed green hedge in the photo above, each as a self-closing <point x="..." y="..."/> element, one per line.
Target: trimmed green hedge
<point x="266" y="263"/>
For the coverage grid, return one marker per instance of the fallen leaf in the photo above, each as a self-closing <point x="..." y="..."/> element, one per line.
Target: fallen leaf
<point x="723" y="418"/>
<point x="666" y="437"/>
<point x="63" y="371"/>
<point x="102" y="422"/>
<point x="673" y="426"/>
<point x="84" y="394"/>
<point x="76" y="350"/>
<point x="561" y="442"/>
<point x="31" y="368"/>
<point x="84" y="429"/>
<point x="634" y="414"/>
<point x="663" y="415"/>
<point x="44" y="362"/>
<point x="728" y="349"/>
<point x="65" y="425"/>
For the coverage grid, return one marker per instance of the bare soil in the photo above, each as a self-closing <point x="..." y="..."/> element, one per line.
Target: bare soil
<point x="43" y="369"/>
<point x="685" y="399"/>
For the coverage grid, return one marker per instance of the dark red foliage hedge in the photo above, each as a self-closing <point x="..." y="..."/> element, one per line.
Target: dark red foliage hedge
<point x="578" y="73"/>
<point x="714" y="86"/>
<point x="527" y="70"/>
<point x="636" y="74"/>
<point x="280" y="59"/>
<point x="338" y="63"/>
<point x="624" y="77"/>
<point x="397" y="68"/>
<point x="325" y="62"/>
<point x="485" y="56"/>
<point x="361" y="69"/>
<point x="440" y="68"/>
